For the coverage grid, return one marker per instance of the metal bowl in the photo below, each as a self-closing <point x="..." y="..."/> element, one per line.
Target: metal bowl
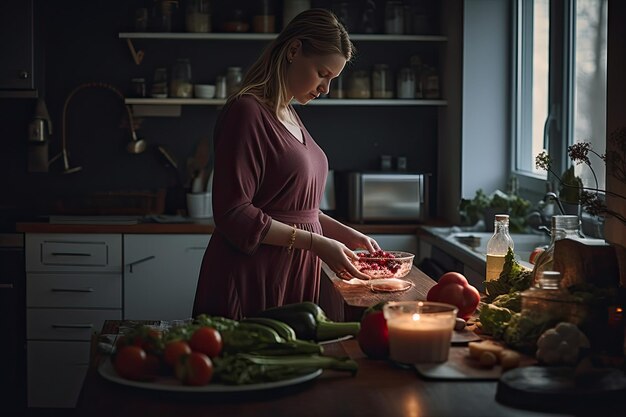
<point x="384" y="264"/>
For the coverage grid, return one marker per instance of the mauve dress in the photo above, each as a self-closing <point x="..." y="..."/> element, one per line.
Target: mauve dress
<point x="262" y="172"/>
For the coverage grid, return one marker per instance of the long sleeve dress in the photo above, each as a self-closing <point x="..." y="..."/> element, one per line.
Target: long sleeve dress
<point x="262" y="172"/>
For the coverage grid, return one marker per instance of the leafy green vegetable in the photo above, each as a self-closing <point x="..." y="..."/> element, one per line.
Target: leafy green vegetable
<point x="514" y="277"/>
<point x="248" y="368"/>
<point x="523" y="330"/>
<point x="494" y="319"/>
<point x="512" y="301"/>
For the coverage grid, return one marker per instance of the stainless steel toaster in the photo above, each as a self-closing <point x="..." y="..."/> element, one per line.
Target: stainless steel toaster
<point x="376" y="197"/>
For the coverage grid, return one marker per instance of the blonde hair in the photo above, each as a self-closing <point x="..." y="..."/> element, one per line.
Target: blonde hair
<point x="320" y="32"/>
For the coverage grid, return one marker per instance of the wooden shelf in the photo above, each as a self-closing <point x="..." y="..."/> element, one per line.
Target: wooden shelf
<point x="320" y="102"/>
<point x="269" y="36"/>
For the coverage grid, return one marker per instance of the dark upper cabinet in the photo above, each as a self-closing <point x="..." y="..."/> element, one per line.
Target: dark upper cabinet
<point x="16" y="49"/>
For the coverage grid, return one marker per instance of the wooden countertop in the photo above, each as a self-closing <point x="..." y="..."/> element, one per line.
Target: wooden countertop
<point x="378" y="389"/>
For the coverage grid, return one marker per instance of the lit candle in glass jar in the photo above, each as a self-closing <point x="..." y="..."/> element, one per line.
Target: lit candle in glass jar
<point x="419" y="331"/>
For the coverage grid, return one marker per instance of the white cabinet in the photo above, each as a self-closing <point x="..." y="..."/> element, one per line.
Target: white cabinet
<point x="161" y="274"/>
<point x="73" y="284"/>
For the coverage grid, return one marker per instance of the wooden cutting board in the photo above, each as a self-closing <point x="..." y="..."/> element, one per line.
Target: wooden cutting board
<point x="460" y="366"/>
<point x="553" y="388"/>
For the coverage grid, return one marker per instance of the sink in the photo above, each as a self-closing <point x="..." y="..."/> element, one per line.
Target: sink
<point x="476" y="242"/>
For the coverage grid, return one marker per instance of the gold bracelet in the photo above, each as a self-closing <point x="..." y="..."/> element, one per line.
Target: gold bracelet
<point x="310" y="240"/>
<point x="292" y="240"/>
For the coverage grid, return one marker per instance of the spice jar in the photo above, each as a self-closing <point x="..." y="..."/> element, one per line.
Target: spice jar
<point x="359" y="86"/>
<point x="138" y="87"/>
<point x="338" y="87"/>
<point x="221" y="90"/>
<point x="159" y="84"/>
<point x="180" y="85"/>
<point x="233" y="79"/>
<point x="394" y="17"/>
<point x="406" y="83"/>
<point x="264" y="19"/>
<point x="197" y="16"/>
<point x="381" y="82"/>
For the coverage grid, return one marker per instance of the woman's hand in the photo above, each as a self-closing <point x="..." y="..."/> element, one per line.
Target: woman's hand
<point x="337" y="256"/>
<point x="354" y="240"/>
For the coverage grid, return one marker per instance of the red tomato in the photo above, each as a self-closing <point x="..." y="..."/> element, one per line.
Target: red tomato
<point x="174" y="350"/>
<point x="453" y="288"/>
<point x="130" y="362"/>
<point x="206" y="340"/>
<point x="373" y="336"/>
<point x="145" y="337"/>
<point x="194" y="369"/>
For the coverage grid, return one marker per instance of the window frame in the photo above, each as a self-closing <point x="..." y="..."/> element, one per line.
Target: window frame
<point x="559" y="125"/>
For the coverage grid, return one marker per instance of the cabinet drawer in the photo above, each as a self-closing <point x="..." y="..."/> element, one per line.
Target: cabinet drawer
<point x="61" y="252"/>
<point x="56" y="371"/>
<point x="74" y="290"/>
<point x="58" y="324"/>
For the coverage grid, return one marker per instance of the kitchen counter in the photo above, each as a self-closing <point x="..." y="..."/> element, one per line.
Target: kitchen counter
<point x="378" y="389"/>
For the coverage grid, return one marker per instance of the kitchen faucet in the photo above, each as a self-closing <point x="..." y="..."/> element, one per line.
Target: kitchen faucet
<point x="540" y="219"/>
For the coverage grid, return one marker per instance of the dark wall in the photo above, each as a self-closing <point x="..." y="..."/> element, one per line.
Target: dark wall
<point x="77" y="42"/>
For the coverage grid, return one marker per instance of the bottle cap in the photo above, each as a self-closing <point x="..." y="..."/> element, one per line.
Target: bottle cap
<point x="569" y="222"/>
<point x="500" y="217"/>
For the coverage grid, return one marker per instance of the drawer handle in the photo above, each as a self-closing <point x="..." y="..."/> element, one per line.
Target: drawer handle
<point x="6" y="286"/>
<point x="140" y="261"/>
<point x="70" y="254"/>
<point x="72" y="290"/>
<point x="72" y="326"/>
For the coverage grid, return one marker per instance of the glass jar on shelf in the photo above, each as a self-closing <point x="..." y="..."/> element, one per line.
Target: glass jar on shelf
<point x="338" y="87"/>
<point x="234" y="76"/>
<point x="198" y="16"/>
<point x="359" y="85"/>
<point x="264" y="18"/>
<point x="406" y="83"/>
<point x="394" y="17"/>
<point x="180" y="84"/>
<point x="159" y="83"/>
<point x="382" y="86"/>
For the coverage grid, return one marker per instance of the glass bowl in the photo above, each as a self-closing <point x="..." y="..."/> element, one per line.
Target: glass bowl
<point x="384" y="264"/>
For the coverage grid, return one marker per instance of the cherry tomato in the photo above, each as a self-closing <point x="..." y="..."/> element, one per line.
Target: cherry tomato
<point x="130" y="362"/>
<point x="174" y="350"/>
<point x="373" y="336"/>
<point x="194" y="369"/>
<point x="206" y="340"/>
<point x="453" y="288"/>
<point x="145" y="337"/>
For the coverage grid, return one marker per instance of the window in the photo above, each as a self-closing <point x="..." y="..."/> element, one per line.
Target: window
<point x="559" y="84"/>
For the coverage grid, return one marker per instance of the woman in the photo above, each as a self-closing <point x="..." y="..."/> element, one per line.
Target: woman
<point x="269" y="177"/>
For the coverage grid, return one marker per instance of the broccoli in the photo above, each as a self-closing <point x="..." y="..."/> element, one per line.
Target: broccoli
<point x="523" y="330"/>
<point x="494" y="319"/>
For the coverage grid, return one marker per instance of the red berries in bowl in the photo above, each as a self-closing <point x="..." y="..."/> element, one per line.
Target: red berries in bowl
<point x="384" y="264"/>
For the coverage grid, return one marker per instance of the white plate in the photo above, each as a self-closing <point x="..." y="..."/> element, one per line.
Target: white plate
<point x="172" y="384"/>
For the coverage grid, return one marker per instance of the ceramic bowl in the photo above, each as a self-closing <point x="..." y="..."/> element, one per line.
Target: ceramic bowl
<point x="204" y="90"/>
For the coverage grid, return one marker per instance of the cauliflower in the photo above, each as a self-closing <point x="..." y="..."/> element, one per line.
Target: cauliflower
<point x="561" y="344"/>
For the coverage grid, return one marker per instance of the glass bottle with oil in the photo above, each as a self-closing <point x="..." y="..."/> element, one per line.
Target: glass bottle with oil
<point x="498" y="246"/>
